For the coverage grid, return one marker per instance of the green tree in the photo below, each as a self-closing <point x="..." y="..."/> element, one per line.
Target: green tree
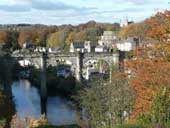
<point x="13" y="39"/>
<point x="70" y="38"/>
<point x="107" y="104"/>
<point x="56" y="39"/>
<point x="159" y="114"/>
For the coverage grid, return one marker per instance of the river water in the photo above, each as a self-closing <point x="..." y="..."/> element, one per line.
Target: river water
<point x="27" y="100"/>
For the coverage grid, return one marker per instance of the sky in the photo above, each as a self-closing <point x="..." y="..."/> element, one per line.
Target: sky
<point x="57" y="12"/>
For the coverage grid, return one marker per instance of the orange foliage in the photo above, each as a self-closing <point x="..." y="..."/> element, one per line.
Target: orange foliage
<point x="3" y="37"/>
<point x="151" y="64"/>
<point x="160" y="26"/>
<point x="149" y="75"/>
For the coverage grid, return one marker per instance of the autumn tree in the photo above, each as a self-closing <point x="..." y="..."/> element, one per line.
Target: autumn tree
<point x="25" y="36"/>
<point x="81" y="36"/>
<point x="150" y="65"/>
<point x="160" y="26"/>
<point x="3" y="36"/>
<point x="135" y="30"/>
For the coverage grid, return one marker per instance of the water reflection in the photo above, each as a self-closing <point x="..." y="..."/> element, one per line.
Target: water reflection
<point x="27" y="100"/>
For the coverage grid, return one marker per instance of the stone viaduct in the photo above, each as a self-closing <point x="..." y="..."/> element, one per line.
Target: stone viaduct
<point x="77" y="61"/>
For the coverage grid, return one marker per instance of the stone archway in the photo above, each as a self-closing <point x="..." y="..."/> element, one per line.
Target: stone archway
<point x="103" y="66"/>
<point x="100" y="66"/>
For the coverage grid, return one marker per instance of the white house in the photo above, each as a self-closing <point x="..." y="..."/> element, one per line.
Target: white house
<point x="87" y="46"/>
<point x="128" y="45"/>
<point x="125" y="46"/>
<point x="101" y="48"/>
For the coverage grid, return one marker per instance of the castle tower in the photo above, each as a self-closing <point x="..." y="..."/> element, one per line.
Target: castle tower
<point x="124" y="23"/>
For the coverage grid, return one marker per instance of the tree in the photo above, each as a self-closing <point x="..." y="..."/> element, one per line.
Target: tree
<point x="135" y="30"/>
<point x="24" y="36"/>
<point x="56" y="39"/>
<point x="3" y="36"/>
<point x="6" y="109"/>
<point x="159" y="114"/>
<point x="107" y="104"/>
<point x="70" y="38"/>
<point x="93" y="34"/>
<point x="80" y="36"/>
<point x="148" y="69"/>
<point x="160" y="24"/>
<point x="13" y="39"/>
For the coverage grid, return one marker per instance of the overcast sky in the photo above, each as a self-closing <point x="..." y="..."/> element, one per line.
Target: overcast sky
<point x="77" y="11"/>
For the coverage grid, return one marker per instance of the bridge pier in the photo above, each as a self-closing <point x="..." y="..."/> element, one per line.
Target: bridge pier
<point x="43" y="88"/>
<point x="79" y="63"/>
<point x="87" y="73"/>
<point x="110" y="73"/>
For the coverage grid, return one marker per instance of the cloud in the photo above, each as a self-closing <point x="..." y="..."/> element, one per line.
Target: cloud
<point x="14" y="8"/>
<point x="136" y="2"/>
<point x="22" y="2"/>
<point x="76" y="11"/>
<point x="42" y="5"/>
<point x="28" y="5"/>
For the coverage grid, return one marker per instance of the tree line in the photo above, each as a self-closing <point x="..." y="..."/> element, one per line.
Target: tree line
<point x="53" y="36"/>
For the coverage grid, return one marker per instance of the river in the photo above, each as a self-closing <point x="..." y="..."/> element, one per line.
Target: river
<point x="27" y="100"/>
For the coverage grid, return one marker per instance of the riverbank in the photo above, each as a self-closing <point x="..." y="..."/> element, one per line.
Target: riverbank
<point x="63" y="126"/>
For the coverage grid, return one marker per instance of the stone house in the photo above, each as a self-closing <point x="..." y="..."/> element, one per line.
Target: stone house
<point x="108" y="38"/>
<point x="86" y="46"/>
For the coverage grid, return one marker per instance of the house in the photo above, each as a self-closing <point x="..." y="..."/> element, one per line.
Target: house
<point x="40" y="49"/>
<point x="55" y="50"/>
<point x="90" y="46"/>
<point x="28" y="45"/>
<point x="77" y="46"/>
<point x="101" y="48"/>
<point x="108" y="38"/>
<point x="129" y="44"/>
<point x="86" y="46"/>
